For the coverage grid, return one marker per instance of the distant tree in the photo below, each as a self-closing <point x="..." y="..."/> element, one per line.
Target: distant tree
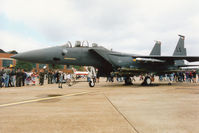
<point x="24" y="65"/>
<point x="51" y="66"/>
<point x="79" y="68"/>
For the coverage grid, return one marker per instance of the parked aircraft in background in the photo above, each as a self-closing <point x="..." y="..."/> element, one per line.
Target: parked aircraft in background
<point x="108" y="61"/>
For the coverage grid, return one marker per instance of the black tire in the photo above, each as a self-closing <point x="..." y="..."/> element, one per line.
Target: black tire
<point x="91" y="84"/>
<point x="147" y="81"/>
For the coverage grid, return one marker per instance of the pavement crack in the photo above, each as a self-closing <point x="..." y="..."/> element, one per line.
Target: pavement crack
<point x="125" y="118"/>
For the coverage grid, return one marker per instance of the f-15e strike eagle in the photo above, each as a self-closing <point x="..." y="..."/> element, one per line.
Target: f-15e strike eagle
<point x="108" y="61"/>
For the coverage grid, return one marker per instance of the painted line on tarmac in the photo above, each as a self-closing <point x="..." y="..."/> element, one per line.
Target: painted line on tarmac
<point x="42" y="99"/>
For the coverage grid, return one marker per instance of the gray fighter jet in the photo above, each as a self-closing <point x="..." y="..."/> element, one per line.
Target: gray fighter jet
<point x="108" y="61"/>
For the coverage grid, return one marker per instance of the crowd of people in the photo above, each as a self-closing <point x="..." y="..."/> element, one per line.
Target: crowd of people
<point x="184" y="76"/>
<point x="188" y="76"/>
<point x="18" y="78"/>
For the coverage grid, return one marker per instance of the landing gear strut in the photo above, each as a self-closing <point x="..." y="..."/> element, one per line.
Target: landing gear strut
<point x="128" y="81"/>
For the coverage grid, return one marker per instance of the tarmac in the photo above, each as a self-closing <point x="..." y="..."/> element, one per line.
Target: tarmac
<point x="106" y="108"/>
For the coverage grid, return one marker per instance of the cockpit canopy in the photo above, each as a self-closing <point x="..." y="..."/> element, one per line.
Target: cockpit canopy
<point x="94" y="45"/>
<point x="77" y="44"/>
<point x="80" y="44"/>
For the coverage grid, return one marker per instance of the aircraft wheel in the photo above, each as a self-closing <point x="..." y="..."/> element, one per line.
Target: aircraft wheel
<point x="148" y="81"/>
<point x="91" y="84"/>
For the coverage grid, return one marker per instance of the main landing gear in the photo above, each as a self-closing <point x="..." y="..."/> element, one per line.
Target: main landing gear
<point x="128" y="81"/>
<point x="147" y="81"/>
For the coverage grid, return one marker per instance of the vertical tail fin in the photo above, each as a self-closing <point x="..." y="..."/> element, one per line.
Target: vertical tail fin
<point x="156" y="49"/>
<point x="180" y="50"/>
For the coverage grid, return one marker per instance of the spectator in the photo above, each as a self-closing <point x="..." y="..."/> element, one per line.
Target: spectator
<point x="28" y="78"/>
<point x="198" y="77"/>
<point x="1" y="78"/>
<point x="12" y="77"/>
<point x="18" y="78"/>
<point x="187" y="77"/>
<point x="50" y="77"/>
<point x="191" y="76"/>
<point x="6" y="77"/>
<point x="194" y="76"/>
<point x="61" y="78"/>
<point x="33" y="78"/>
<point x="41" y="77"/>
<point x="57" y="77"/>
<point x="23" y="76"/>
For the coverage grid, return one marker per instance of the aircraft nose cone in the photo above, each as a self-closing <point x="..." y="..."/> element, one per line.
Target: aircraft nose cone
<point x="45" y="55"/>
<point x="31" y="56"/>
<point x="17" y="56"/>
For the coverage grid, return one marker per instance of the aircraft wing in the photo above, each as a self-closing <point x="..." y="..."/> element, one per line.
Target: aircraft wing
<point x="158" y="58"/>
<point x="188" y="66"/>
<point x="170" y="58"/>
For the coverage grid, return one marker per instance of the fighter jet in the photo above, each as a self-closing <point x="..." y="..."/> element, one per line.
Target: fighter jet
<point x="108" y="61"/>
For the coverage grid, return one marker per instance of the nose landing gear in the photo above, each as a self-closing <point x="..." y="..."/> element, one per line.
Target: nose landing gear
<point x="92" y="83"/>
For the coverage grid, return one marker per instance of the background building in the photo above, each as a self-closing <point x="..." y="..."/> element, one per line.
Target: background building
<point x="5" y="60"/>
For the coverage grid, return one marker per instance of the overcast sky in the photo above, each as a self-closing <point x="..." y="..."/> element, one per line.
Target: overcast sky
<point x="124" y="25"/>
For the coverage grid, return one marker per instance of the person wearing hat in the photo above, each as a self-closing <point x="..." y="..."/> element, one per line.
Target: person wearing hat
<point x="12" y="77"/>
